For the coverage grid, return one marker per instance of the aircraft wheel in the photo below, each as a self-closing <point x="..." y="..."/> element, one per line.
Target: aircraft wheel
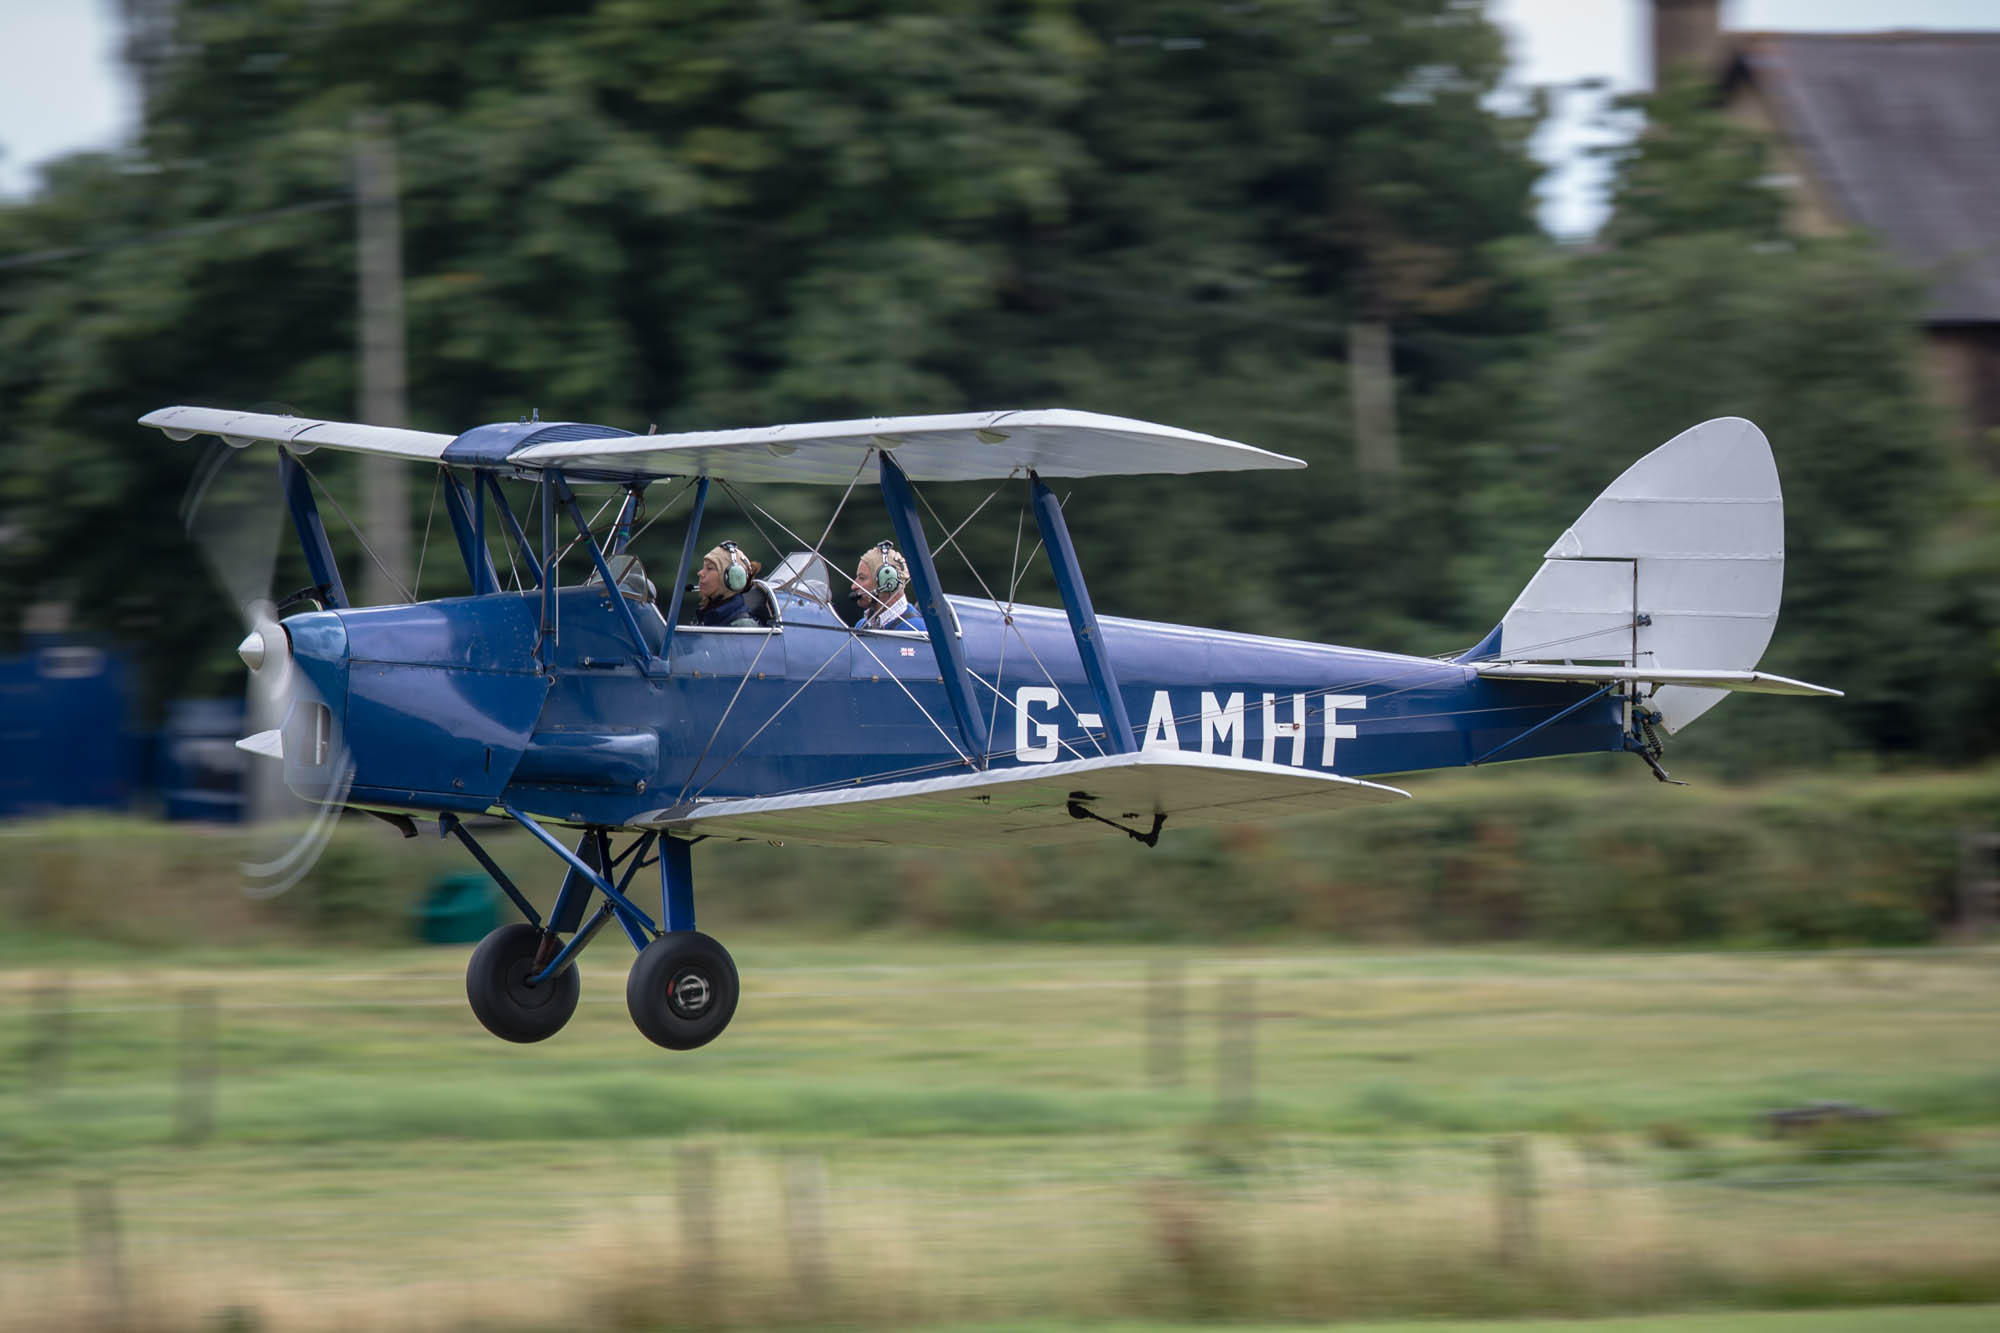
<point x="682" y="990"/>
<point x="496" y="981"/>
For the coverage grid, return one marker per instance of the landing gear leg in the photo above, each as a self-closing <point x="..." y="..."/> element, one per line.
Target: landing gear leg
<point x="682" y="989"/>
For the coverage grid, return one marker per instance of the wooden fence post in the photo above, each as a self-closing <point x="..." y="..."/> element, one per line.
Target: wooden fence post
<point x="48" y="1035"/>
<point x="694" y="1184"/>
<point x="805" y="1224"/>
<point x="1236" y="1050"/>
<point x="194" y="1119"/>
<point x="104" y="1249"/>
<point x="1166" y="1022"/>
<point x="1514" y="1200"/>
<point x="1978" y="883"/>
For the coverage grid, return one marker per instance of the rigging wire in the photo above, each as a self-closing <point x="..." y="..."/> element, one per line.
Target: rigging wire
<point x="613" y="499"/>
<point x="1007" y="619"/>
<point x="827" y="531"/>
<point x="355" y="528"/>
<point x="840" y="647"/>
<point x="437" y="480"/>
<point x="860" y="638"/>
<point x="696" y="766"/>
<point x="672" y="500"/>
<point x="751" y="508"/>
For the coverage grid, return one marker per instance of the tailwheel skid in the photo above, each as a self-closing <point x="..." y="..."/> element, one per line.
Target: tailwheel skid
<point x="522" y="980"/>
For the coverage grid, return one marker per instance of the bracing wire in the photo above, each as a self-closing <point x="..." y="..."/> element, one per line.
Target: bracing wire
<point x="616" y="497"/>
<point x="840" y="647"/>
<point x="724" y="717"/>
<point x="665" y="509"/>
<point x="1006" y="617"/>
<point x="355" y="528"/>
<point x="437" y="480"/>
<point x="1006" y="611"/>
<point x="898" y="680"/>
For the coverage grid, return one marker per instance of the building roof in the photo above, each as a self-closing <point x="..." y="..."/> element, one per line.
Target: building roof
<point x="1902" y="130"/>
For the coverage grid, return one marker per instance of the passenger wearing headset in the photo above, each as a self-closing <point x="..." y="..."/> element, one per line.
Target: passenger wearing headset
<point x="725" y="573"/>
<point x="879" y="583"/>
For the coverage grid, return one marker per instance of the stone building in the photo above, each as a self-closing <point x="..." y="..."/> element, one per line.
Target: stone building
<point x="1895" y="133"/>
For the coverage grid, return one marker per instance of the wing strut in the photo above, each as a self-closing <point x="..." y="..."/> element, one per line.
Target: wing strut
<point x="902" y="502"/>
<point x="311" y="530"/>
<point x="468" y="524"/>
<point x="1083" y="623"/>
<point x="526" y="549"/>
<point x="623" y="607"/>
<point x="686" y="567"/>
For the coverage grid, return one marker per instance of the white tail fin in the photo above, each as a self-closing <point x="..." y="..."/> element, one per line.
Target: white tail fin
<point x="1680" y="563"/>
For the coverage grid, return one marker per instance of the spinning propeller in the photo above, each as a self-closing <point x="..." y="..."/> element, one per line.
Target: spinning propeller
<point x="234" y="512"/>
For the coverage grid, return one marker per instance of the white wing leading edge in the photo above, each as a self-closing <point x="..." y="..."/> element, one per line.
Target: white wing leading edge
<point x="1031" y="806"/>
<point x="969" y="446"/>
<point x="299" y="434"/>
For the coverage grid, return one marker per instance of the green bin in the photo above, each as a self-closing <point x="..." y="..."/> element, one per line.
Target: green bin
<point x="460" y="909"/>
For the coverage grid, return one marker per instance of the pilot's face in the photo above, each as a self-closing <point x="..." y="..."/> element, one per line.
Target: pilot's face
<point x="863" y="582"/>
<point x="709" y="581"/>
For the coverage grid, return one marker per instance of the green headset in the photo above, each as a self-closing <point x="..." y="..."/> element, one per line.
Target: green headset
<point x="737" y="577"/>
<point x="888" y="577"/>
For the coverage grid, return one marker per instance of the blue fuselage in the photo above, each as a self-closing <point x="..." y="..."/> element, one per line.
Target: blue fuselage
<point x="451" y="706"/>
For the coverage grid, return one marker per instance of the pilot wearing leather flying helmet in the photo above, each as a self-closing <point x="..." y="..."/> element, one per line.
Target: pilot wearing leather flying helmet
<point x="724" y="575"/>
<point x="879" y="583"/>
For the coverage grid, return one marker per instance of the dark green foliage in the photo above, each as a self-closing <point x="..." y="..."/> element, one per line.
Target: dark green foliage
<point x="713" y="215"/>
<point x="725" y="215"/>
<point x="1694" y="169"/>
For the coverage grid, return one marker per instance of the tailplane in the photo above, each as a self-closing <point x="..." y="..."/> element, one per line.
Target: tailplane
<point x="1668" y="584"/>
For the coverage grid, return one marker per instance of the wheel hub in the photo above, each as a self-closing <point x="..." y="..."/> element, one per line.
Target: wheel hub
<point x="521" y="984"/>
<point x="690" y="993"/>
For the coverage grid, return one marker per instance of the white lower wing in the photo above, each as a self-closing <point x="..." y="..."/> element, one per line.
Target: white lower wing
<point x="1742" y="682"/>
<point x="1016" y="807"/>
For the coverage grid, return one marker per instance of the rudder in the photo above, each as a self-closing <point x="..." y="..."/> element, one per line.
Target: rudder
<point x="1679" y="563"/>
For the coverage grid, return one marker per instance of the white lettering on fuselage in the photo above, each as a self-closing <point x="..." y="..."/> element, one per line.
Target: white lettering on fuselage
<point x="1042" y="748"/>
<point x="1336" y="729"/>
<point x="1161" y="733"/>
<point x="1294" y="731"/>
<point x="1223" y="722"/>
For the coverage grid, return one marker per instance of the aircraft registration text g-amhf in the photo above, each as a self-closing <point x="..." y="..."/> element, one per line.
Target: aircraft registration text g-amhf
<point x="1216" y="724"/>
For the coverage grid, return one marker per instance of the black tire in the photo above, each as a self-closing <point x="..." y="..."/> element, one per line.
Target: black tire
<point x="496" y="983"/>
<point x="682" y="990"/>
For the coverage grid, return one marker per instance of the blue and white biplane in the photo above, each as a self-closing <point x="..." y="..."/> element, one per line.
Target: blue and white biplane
<point x="580" y="703"/>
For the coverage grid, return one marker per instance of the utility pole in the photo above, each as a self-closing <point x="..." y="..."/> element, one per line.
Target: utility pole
<point x="1371" y="387"/>
<point x="385" y="490"/>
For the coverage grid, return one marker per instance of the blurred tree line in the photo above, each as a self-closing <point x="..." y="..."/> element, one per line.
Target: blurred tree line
<point x="727" y="214"/>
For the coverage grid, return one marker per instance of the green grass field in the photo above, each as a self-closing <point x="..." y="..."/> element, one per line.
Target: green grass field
<point x="1924" y="1319"/>
<point x="909" y="1132"/>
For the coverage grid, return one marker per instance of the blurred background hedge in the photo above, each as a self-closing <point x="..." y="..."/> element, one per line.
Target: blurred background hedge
<point x="1531" y="854"/>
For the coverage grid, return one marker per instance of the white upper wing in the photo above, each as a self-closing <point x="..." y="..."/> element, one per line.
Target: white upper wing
<point x="970" y="446"/>
<point x="302" y="434"/>
<point x="1028" y="806"/>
